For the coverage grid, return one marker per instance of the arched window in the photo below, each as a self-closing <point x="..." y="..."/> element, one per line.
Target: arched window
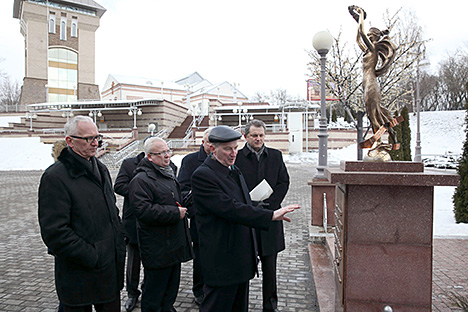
<point x="63" y="30"/>
<point x="62" y="75"/>
<point x="52" y="24"/>
<point x="74" y="27"/>
<point x="73" y="30"/>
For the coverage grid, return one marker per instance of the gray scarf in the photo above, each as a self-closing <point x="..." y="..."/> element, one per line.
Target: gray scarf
<point x="259" y="153"/>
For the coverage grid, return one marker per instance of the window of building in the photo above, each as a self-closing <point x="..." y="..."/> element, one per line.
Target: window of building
<point x="52" y="23"/>
<point x="63" y="75"/>
<point x="63" y="29"/>
<point x="74" y="27"/>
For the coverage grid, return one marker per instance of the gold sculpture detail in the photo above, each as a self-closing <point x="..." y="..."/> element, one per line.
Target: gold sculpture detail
<point x="379" y="53"/>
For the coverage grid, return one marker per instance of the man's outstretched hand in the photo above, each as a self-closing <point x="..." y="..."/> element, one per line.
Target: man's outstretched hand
<point x="280" y="214"/>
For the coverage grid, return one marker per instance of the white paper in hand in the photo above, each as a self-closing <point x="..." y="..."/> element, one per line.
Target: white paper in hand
<point x="261" y="192"/>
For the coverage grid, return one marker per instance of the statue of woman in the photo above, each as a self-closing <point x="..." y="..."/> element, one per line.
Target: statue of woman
<point x="376" y="46"/>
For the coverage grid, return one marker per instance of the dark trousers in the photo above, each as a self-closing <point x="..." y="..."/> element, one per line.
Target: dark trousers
<point x="160" y="290"/>
<point x="197" y="272"/>
<point x="133" y="270"/>
<point x="269" y="290"/>
<point x="233" y="298"/>
<point x="113" y="306"/>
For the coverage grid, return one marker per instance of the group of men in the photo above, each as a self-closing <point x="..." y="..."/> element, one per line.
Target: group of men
<point x="227" y="235"/>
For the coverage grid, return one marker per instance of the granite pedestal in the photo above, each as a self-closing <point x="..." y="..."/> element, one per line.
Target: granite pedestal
<point x="383" y="235"/>
<point x="318" y="188"/>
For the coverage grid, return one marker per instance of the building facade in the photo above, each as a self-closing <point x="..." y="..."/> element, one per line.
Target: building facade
<point x="192" y="92"/>
<point x="59" y="39"/>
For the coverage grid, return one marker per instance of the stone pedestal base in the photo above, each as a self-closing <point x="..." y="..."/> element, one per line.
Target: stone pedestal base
<point x="383" y="235"/>
<point x="318" y="188"/>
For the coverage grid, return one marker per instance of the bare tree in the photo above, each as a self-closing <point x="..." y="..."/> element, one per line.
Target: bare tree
<point x="276" y="97"/>
<point x="259" y="97"/>
<point x="453" y="75"/>
<point x="344" y="72"/>
<point x="10" y="93"/>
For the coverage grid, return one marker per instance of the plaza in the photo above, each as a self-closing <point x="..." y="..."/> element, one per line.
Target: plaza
<point x="27" y="271"/>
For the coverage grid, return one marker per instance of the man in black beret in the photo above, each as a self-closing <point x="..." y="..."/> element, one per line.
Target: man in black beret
<point x="225" y="221"/>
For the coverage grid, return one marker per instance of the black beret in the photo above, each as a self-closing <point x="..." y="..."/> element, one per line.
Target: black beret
<point x="223" y="134"/>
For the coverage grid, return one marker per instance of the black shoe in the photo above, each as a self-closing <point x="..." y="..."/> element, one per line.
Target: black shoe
<point x="131" y="303"/>
<point x="199" y="299"/>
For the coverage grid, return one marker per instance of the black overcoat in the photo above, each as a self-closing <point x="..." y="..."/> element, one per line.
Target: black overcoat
<point x="163" y="237"/>
<point x="122" y="181"/>
<point x="189" y="164"/>
<point x="224" y="222"/>
<point x="271" y="168"/>
<point x="80" y="225"/>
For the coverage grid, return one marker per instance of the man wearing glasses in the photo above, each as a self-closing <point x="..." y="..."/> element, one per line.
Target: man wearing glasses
<point x="163" y="236"/>
<point x="80" y="223"/>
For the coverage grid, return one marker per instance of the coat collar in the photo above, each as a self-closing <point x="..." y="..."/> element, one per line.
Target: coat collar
<point x="152" y="170"/>
<point x="202" y="154"/>
<point x="246" y="151"/>
<point x="75" y="167"/>
<point x="217" y="166"/>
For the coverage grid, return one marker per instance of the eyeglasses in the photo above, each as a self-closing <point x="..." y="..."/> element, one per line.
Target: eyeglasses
<point x="89" y="139"/>
<point x="168" y="152"/>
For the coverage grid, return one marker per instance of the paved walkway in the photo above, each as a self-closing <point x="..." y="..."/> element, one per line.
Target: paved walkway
<point x="26" y="271"/>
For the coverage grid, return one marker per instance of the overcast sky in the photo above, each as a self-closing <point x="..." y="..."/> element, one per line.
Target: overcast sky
<point x="259" y="44"/>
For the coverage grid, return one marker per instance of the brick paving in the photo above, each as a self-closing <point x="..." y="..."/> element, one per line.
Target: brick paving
<point x="26" y="270"/>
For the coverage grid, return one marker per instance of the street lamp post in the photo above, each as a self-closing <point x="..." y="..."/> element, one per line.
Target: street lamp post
<point x="417" y="157"/>
<point x="239" y="110"/>
<point x="134" y="111"/>
<point x="322" y="42"/>
<point x="151" y="128"/>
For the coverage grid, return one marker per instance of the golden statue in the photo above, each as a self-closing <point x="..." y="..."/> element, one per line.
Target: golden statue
<point x="379" y="53"/>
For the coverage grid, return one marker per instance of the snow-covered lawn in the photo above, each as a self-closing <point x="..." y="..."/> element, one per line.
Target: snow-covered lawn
<point x="441" y="132"/>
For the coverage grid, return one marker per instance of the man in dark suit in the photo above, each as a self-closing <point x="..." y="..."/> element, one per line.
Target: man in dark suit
<point x="189" y="164"/>
<point x="122" y="181"/>
<point x="80" y="224"/>
<point x="225" y="221"/>
<point x="258" y="162"/>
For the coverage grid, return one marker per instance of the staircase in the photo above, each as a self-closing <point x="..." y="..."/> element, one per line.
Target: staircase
<point x="180" y="132"/>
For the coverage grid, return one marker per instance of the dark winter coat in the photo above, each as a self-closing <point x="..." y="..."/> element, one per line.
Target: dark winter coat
<point x="122" y="181"/>
<point x="80" y="225"/>
<point x="189" y="164"/>
<point x="225" y="218"/>
<point x="163" y="237"/>
<point x="271" y="168"/>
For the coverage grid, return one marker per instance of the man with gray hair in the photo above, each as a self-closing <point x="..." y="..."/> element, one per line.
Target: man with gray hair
<point x="162" y="228"/>
<point x="80" y="224"/>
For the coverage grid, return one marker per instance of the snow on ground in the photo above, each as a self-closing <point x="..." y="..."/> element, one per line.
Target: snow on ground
<point x="4" y="120"/>
<point x="25" y="154"/>
<point x="441" y="132"/>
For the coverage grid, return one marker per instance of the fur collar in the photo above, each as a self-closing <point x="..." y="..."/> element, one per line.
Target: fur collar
<point x="74" y="167"/>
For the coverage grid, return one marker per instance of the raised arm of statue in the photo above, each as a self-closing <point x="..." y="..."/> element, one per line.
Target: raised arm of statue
<point x="362" y="40"/>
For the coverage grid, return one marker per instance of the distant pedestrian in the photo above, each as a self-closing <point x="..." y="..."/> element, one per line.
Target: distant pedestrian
<point x="189" y="164"/>
<point x="225" y="221"/>
<point x="80" y="224"/>
<point x="163" y="234"/>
